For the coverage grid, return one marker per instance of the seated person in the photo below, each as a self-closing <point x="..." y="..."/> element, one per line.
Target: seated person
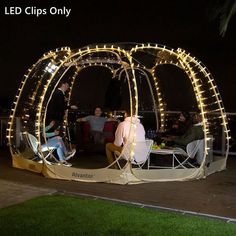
<point x="54" y="140"/>
<point x="122" y="135"/>
<point x="195" y="132"/>
<point x="180" y="126"/>
<point x="96" y="122"/>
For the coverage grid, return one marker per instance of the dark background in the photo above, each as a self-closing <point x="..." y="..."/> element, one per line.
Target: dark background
<point x="174" y="23"/>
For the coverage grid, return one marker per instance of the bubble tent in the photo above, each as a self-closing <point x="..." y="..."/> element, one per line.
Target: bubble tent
<point x="29" y="109"/>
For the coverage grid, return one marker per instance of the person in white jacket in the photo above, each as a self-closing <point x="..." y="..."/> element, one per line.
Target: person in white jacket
<point x="125" y="132"/>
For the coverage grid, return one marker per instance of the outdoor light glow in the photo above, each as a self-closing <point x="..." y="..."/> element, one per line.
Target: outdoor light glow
<point x="119" y="61"/>
<point x="51" y="68"/>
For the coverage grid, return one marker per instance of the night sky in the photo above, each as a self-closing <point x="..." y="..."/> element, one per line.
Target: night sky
<point x="174" y="23"/>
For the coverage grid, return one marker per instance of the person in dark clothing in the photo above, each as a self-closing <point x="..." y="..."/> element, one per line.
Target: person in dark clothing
<point x="180" y="126"/>
<point x="184" y="123"/>
<point x="195" y="132"/>
<point x="58" y="104"/>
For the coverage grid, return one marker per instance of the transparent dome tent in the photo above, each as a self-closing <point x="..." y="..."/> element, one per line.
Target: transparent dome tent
<point x="137" y="65"/>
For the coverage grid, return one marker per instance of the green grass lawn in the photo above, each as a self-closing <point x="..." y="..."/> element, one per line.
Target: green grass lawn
<point x="63" y="215"/>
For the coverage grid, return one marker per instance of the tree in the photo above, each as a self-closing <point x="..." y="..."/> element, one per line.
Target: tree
<point x="222" y="10"/>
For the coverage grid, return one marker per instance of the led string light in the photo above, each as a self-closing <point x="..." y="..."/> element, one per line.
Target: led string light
<point x="16" y="102"/>
<point x="216" y="95"/>
<point x="40" y="106"/>
<point x="185" y="61"/>
<point x="160" y="101"/>
<point x="220" y="109"/>
<point x="218" y="101"/>
<point x="150" y="87"/>
<point x="134" y="81"/>
<point x="48" y="69"/>
<point x="69" y="96"/>
<point x="135" y="112"/>
<point x="88" y="50"/>
<point x="174" y="55"/>
<point x="46" y="88"/>
<point x="199" y="95"/>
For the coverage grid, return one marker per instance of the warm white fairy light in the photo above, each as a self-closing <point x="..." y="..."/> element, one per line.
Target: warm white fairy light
<point x="88" y="51"/>
<point x="23" y="82"/>
<point x="215" y="95"/>
<point x="160" y="104"/>
<point x="185" y="58"/>
<point x="12" y="116"/>
<point x="197" y="88"/>
<point x="40" y="105"/>
<point x="69" y="96"/>
<point x="162" y="48"/>
<point x="219" y="101"/>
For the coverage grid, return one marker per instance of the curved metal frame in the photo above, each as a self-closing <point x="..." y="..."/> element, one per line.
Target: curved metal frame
<point x="68" y="59"/>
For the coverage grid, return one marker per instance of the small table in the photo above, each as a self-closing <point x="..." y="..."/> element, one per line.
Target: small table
<point x="168" y="151"/>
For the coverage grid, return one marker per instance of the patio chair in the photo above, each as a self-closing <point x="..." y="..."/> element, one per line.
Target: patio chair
<point x="34" y="145"/>
<point x="193" y="149"/>
<point x="141" y="153"/>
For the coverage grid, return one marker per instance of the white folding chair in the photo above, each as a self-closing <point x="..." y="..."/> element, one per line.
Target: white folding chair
<point x="34" y="145"/>
<point x="141" y="153"/>
<point x="193" y="148"/>
<point x="200" y="152"/>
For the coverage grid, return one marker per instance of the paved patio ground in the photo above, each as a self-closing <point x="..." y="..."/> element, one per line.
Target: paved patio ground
<point x="214" y="195"/>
